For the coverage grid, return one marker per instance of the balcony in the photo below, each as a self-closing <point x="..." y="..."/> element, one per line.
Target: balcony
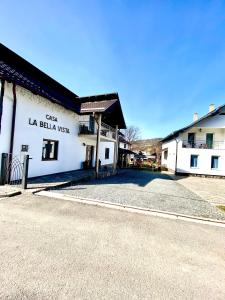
<point x="85" y="127"/>
<point x="216" y="145"/>
<point x="107" y="133"/>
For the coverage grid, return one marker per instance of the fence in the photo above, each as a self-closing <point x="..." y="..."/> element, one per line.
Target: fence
<point x="14" y="171"/>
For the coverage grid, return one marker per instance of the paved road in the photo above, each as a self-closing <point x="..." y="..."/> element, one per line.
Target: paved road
<point x="148" y="190"/>
<point x="53" y="249"/>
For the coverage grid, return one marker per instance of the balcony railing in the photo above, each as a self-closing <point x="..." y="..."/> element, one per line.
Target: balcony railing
<point x="217" y="145"/>
<point x="85" y="127"/>
<point x="108" y="131"/>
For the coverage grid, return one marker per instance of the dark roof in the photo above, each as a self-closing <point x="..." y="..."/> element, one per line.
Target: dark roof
<point x="97" y="106"/>
<point x="16" y="69"/>
<point x="108" y="105"/>
<point x="219" y="110"/>
<point x="125" y="151"/>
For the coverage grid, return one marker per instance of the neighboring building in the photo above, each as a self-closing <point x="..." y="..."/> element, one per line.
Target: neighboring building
<point x="57" y="129"/>
<point x="125" y="153"/>
<point x="198" y="148"/>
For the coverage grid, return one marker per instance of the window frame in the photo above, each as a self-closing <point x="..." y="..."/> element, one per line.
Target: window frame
<point x="212" y="157"/>
<point x="56" y="150"/>
<point x="194" y="167"/>
<point x="165" y="154"/>
<point x="107" y="150"/>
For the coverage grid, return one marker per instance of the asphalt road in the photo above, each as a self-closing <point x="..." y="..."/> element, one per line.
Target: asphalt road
<point x="53" y="249"/>
<point x="148" y="190"/>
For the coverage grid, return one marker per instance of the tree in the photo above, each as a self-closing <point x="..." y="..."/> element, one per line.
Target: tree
<point x="132" y="133"/>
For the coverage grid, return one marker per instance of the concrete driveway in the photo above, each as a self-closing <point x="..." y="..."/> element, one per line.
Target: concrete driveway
<point x="54" y="249"/>
<point x="148" y="190"/>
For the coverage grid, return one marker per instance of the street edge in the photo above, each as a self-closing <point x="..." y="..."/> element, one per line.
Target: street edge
<point x="133" y="209"/>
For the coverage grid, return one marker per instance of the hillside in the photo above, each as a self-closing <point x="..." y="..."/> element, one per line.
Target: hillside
<point x="149" y="146"/>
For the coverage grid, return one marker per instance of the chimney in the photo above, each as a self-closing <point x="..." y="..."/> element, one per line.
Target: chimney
<point x="195" y="117"/>
<point x="211" y="107"/>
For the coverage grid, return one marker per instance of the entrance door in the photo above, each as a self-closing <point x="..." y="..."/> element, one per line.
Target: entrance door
<point x="209" y="140"/>
<point x="191" y="139"/>
<point x="89" y="155"/>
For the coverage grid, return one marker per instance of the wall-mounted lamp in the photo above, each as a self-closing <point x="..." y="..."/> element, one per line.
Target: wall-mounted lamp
<point x="200" y="130"/>
<point x="84" y="144"/>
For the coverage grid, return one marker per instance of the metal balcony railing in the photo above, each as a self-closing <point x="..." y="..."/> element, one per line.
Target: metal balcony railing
<point x="86" y="127"/>
<point x="108" y="131"/>
<point x="200" y="144"/>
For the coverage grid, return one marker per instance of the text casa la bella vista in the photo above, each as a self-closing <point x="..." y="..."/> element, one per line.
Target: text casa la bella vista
<point x="47" y="125"/>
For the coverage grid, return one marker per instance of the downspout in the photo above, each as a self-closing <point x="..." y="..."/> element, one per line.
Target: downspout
<point x="12" y="128"/>
<point x="176" y="156"/>
<point x="1" y="101"/>
<point x="13" y="119"/>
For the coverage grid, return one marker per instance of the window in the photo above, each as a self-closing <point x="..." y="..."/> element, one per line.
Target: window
<point x="165" y="154"/>
<point x="125" y="146"/>
<point x="50" y="150"/>
<point x="191" y="139"/>
<point x="214" y="162"/>
<point x="194" y="161"/>
<point x="209" y="140"/>
<point x="106" y="153"/>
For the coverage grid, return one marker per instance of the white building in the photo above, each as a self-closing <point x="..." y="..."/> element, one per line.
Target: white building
<point x="126" y="156"/>
<point x="57" y="129"/>
<point x="198" y="148"/>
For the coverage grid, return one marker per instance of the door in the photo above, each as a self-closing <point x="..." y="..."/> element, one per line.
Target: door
<point x="209" y="140"/>
<point x="191" y="139"/>
<point x="89" y="155"/>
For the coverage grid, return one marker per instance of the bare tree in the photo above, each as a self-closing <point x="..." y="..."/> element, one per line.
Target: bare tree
<point x="132" y="133"/>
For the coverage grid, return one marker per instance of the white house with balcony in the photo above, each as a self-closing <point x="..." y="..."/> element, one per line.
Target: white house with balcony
<point x="59" y="130"/>
<point x="198" y="148"/>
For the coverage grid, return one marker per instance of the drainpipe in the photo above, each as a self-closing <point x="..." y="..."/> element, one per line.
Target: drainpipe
<point x="99" y="122"/>
<point x="1" y="100"/>
<point x="12" y="128"/>
<point x="177" y="141"/>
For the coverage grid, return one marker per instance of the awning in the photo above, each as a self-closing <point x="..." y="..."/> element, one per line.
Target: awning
<point x="125" y="151"/>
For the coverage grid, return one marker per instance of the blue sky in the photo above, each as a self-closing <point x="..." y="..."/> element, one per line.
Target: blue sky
<point x="165" y="58"/>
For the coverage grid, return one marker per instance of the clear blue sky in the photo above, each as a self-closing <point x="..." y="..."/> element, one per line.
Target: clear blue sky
<point x="165" y="58"/>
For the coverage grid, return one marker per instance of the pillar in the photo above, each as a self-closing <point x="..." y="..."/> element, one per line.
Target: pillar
<point x="115" y="159"/>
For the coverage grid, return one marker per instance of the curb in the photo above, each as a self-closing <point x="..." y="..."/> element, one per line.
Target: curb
<point x="134" y="209"/>
<point x="12" y="194"/>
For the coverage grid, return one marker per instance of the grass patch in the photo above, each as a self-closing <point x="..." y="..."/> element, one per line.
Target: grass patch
<point x="221" y="207"/>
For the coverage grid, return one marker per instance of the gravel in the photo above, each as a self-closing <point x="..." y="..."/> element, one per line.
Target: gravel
<point x="147" y="190"/>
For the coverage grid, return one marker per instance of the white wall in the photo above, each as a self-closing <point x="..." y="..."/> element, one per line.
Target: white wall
<point x="6" y="120"/>
<point x="71" y="152"/>
<point x="204" y="161"/>
<point x="171" y="158"/>
<point x="104" y="145"/>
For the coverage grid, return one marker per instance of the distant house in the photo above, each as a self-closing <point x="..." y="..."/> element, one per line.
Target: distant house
<point x="149" y="148"/>
<point x="125" y="155"/>
<point x="198" y="148"/>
